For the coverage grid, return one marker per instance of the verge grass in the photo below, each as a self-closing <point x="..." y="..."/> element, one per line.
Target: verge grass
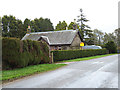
<point x="8" y="75"/>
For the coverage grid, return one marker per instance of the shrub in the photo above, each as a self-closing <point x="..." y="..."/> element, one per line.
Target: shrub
<point x="111" y="47"/>
<point x="17" y="53"/>
<point x="72" y="54"/>
<point x="10" y="52"/>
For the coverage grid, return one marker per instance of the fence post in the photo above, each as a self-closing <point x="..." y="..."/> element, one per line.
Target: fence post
<point x="52" y="57"/>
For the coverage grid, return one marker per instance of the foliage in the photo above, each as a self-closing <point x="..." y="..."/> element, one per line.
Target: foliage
<point x="72" y="54"/>
<point x="29" y="70"/>
<point x="42" y="25"/>
<point x="109" y="37"/>
<point x="17" y="53"/>
<point x="88" y="38"/>
<point x="98" y="36"/>
<point x="61" y="26"/>
<point x="111" y="47"/>
<point x="83" y="27"/>
<point x="117" y="34"/>
<point x="101" y="38"/>
<point x="70" y="26"/>
<point x="0" y="26"/>
<point x="13" y="27"/>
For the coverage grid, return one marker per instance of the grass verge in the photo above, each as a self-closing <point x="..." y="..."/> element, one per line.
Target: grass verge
<point x="8" y="75"/>
<point x="86" y="58"/>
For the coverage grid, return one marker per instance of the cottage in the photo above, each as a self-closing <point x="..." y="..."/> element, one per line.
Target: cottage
<point x="57" y="40"/>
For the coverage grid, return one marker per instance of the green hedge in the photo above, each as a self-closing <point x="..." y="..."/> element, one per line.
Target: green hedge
<point x="72" y="54"/>
<point x="17" y="53"/>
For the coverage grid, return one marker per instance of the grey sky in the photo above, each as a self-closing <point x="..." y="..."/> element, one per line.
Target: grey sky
<point x="103" y="14"/>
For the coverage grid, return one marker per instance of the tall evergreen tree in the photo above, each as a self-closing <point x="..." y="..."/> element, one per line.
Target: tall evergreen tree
<point x="0" y="27"/>
<point x="84" y="29"/>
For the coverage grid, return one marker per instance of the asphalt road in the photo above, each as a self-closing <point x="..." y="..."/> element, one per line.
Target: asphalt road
<point x="95" y="73"/>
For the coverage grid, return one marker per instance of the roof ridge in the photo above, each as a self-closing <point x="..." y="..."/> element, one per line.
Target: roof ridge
<point x="54" y="31"/>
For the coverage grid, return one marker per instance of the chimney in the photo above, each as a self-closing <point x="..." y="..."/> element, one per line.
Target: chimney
<point x="28" y="29"/>
<point x="74" y="25"/>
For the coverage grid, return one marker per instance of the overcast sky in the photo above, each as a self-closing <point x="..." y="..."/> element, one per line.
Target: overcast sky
<point x="103" y="14"/>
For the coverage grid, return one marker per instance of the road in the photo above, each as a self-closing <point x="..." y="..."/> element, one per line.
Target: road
<point x="95" y="73"/>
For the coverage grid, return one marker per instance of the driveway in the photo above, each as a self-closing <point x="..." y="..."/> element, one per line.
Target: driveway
<point x="94" y="73"/>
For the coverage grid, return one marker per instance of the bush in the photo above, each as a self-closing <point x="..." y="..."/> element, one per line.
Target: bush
<point x="17" y="53"/>
<point x="72" y="54"/>
<point x="111" y="47"/>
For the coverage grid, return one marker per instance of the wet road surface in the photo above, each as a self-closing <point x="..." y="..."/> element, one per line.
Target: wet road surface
<point x="94" y="73"/>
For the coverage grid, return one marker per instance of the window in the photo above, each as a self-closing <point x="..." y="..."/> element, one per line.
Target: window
<point x="59" y="48"/>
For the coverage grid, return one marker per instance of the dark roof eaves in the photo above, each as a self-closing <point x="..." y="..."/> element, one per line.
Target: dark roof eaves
<point x="59" y="44"/>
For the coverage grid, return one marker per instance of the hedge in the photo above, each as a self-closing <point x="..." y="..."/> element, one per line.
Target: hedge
<point x="72" y="54"/>
<point x="17" y="53"/>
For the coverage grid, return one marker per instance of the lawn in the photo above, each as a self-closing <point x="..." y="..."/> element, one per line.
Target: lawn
<point x="29" y="70"/>
<point x="86" y="58"/>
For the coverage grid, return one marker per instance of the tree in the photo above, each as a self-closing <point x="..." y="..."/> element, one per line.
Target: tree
<point x="27" y="22"/>
<point x="48" y="25"/>
<point x="64" y="25"/>
<point x="88" y="39"/>
<point x="109" y="37"/>
<point x="42" y="25"/>
<point x="117" y="34"/>
<point x="70" y="26"/>
<point x="61" y="26"/>
<point x="20" y="29"/>
<point x="5" y="24"/>
<point x="111" y="47"/>
<point x="1" y="40"/>
<point x="36" y="25"/>
<point x="12" y="27"/>
<point x="83" y="27"/>
<point x="0" y="27"/>
<point x="98" y="36"/>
